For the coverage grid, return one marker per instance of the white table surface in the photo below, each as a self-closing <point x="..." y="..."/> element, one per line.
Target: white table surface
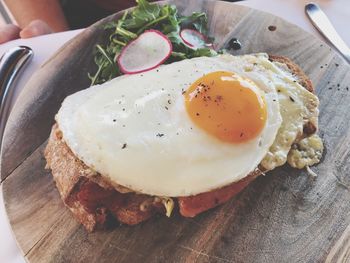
<point x="44" y="46"/>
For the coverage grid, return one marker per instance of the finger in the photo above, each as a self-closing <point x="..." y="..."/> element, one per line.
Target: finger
<point x="9" y="32"/>
<point x="35" y="28"/>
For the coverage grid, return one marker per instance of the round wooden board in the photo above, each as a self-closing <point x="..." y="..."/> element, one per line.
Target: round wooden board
<point x="281" y="217"/>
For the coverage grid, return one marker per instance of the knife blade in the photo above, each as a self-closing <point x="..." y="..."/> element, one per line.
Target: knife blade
<point x="325" y="27"/>
<point x="12" y="64"/>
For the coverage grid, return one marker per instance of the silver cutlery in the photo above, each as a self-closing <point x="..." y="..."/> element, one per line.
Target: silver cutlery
<point x="325" y="27"/>
<point x="12" y="64"/>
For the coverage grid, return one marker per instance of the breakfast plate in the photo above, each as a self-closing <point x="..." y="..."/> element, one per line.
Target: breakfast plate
<point x="285" y="216"/>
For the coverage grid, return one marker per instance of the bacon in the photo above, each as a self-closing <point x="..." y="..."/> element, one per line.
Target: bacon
<point x="93" y="196"/>
<point x="126" y="207"/>
<point x="190" y="206"/>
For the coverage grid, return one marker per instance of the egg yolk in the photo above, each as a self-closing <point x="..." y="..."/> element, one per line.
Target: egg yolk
<point x="226" y="106"/>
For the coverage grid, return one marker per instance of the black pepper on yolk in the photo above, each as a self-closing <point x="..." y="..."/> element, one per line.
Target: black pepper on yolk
<point x="226" y="106"/>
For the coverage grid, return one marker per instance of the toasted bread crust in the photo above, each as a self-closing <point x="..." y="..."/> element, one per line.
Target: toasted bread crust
<point x="302" y="78"/>
<point x="75" y="180"/>
<point x="70" y="174"/>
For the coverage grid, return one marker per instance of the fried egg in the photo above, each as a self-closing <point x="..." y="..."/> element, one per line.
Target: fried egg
<point x="178" y="130"/>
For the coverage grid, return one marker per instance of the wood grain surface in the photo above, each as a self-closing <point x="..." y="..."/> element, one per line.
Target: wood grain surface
<point x="282" y="217"/>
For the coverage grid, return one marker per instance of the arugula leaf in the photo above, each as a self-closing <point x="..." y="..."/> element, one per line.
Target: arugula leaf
<point x="172" y="25"/>
<point x="164" y="18"/>
<point x="146" y="11"/>
<point x="142" y="14"/>
<point x="204" y="52"/>
<point x="164" y="14"/>
<point x="198" y="21"/>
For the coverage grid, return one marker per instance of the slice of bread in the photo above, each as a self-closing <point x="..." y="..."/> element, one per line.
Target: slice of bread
<point x="98" y="203"/>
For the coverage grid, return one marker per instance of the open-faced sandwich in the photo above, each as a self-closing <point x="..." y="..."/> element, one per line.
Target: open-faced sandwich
<point x="185" y="137"/>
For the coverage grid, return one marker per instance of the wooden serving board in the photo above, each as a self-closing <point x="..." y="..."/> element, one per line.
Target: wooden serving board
<point x="282" y="217"/>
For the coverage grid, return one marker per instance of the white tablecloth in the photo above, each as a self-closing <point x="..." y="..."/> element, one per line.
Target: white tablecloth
<point x="44" y="46"/>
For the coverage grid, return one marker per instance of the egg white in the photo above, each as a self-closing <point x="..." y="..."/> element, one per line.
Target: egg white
<point x="136" y="131"/>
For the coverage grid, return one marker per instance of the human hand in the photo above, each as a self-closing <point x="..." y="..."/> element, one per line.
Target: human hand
<point x="8" y="33"/>
<point x="33" y="29"/>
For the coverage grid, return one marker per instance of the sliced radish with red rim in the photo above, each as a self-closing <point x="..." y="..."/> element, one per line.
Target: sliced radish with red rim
<point x="146" y="52"/>
<point x="194" y="38"/>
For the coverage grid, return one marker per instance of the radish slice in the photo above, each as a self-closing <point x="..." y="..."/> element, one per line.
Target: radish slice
<point x="146" y="52"/>
<point x="193" y="38"/>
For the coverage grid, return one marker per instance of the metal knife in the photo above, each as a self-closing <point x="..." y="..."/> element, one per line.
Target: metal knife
<point x="325" y="27"/>
<point x="11" y="65"/>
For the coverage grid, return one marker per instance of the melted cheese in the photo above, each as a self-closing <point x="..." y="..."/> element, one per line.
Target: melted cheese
<point x="307" y="152"/>
<point x="297" y="106"/>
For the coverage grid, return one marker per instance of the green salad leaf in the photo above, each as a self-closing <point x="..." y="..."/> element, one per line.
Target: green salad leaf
<point x="198" y="20"/>
<point x="164" y="18"/>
